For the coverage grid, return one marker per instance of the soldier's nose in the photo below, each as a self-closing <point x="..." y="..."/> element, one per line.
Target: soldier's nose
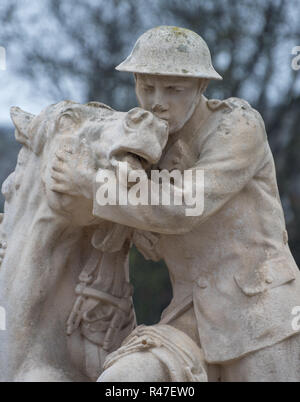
<point x="158" y="108"/>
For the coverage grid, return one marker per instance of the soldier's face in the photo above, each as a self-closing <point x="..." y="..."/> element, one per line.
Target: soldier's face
<point x="171" y="98"/>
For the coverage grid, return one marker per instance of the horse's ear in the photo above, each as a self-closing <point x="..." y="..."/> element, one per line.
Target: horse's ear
<point x="22" y="122"/>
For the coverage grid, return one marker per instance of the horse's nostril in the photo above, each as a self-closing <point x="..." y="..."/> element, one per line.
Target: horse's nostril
<point x="136" y="119"/>
<point x="137" y="115"/>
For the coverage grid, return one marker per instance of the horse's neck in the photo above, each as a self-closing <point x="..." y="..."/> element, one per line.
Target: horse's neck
<point x="39" y="241"/>
<point x="38" y="247"/>
<point x="39" y="271"/>
<point x="29" y="223"/>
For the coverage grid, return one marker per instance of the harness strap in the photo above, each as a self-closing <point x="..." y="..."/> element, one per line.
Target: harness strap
<point x="123" y="304"/>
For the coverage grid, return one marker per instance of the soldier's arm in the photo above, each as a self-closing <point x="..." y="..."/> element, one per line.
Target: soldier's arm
<point x="229" y="159"/>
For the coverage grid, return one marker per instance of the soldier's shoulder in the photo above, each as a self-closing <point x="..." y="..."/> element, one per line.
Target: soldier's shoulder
<point x="237" y="112"/>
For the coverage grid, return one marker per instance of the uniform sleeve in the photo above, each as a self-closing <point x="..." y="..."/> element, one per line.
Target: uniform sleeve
<point x="230" y="157"/>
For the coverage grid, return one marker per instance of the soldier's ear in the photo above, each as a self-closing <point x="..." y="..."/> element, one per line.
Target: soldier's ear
<point x="22" y="121"/>
<point x="203" y="85"/>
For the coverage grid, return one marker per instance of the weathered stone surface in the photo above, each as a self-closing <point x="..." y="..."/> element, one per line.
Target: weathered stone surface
<point x="64" y="273"/>
<point x="236" y="286"/>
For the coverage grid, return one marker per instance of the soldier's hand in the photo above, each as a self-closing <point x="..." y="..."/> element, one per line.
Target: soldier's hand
<point x="73" y="170"/>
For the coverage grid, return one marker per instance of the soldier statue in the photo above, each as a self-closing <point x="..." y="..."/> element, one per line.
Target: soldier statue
<point x="235" y="282"/>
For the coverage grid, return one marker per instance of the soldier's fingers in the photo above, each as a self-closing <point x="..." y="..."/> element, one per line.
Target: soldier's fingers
<point x="61" y="156"/>
<point x="57" y="167"/>
<point x="56" y="176"/>
<point x="57" y="188"/>
<point x="62" y="189"/>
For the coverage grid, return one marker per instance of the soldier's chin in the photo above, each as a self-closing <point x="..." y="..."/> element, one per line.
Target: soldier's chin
<point x="174" y="127"/>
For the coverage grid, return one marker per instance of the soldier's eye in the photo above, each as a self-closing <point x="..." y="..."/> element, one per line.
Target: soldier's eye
<point x="148" y="88"/>
<point x="175" y="89"/>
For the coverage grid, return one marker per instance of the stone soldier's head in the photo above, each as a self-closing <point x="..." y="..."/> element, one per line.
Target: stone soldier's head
<point x="172" y="67"/>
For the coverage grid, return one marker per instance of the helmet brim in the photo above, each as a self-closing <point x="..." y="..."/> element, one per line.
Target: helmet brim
<point x="213" y="76"/>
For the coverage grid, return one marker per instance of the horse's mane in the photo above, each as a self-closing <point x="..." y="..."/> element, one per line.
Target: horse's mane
<point x="99" y="105"/>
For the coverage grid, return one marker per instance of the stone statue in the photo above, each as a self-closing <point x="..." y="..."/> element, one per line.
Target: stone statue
<point x="235" y="282"/>
<point x="64" y="273"/>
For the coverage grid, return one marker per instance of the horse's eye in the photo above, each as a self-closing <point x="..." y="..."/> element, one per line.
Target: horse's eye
<point x="66" y="120"/>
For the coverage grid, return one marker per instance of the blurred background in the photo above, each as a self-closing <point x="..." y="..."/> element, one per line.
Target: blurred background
<point x="67" y="49"/>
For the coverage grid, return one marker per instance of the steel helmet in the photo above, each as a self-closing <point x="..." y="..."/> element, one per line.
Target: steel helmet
<point x="168" y="50"/>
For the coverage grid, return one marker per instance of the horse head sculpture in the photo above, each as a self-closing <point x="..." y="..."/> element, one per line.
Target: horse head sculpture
<point x="47" y="241"/>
